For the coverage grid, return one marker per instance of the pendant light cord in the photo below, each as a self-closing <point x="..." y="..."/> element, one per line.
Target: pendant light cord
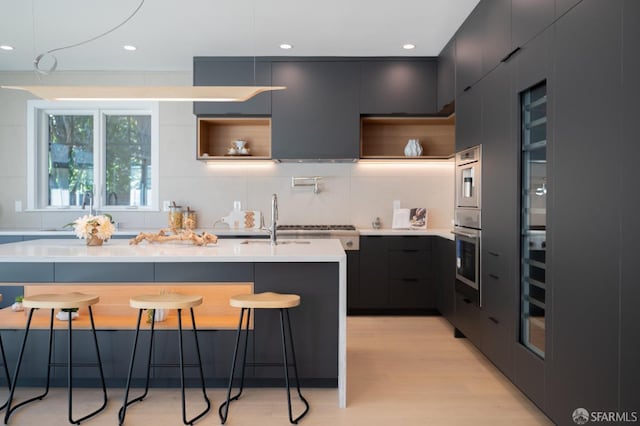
<point x="36" y="61"/>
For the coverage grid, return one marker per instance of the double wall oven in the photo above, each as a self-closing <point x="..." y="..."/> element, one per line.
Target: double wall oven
<point x="467" y="223"/>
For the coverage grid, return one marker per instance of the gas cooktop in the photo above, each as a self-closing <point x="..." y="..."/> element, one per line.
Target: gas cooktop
<point x="316" y="228"/>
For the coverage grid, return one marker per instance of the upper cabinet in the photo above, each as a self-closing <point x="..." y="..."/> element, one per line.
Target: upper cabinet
<point x="317" y="116"/>
<point x="469" y="42"/>
<point x="447" y="75"/>
<point x="496" y="15"/>
<point x="529" y="18"/>
<point x="233" y="72"/>
<point x="398" y="86"/>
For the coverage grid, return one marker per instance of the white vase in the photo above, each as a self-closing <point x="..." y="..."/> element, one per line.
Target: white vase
<point x="413" y="148"/>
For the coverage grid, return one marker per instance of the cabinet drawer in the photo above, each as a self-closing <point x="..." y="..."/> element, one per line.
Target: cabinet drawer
<point x="468" y="319"/>
<point x="408" y="264"/>
<point x="497" y="344"/>
<point x="410" y="293"/>
<point x="409" y="243"/>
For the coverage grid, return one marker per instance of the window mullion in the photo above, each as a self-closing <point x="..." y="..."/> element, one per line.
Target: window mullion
<point x="98" y="159"/>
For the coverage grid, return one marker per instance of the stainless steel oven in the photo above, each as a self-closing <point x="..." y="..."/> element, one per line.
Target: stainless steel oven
<point x="467" y="221"/>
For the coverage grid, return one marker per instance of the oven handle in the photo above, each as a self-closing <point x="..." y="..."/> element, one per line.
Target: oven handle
<point x="465" y="234"/>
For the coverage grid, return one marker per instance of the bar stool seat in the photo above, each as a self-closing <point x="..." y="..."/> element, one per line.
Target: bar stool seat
<point x="58" y="301"/>
<point x="4" y="366"/>
<point x="267" y="300"/>
<point x="165" y="301"/>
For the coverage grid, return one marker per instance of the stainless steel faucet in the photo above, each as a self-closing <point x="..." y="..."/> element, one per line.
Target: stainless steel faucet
<point x="88" y="195"/>
<point x="274" y="219"/>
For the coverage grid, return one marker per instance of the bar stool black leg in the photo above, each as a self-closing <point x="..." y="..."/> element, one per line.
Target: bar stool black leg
<point x="204" y="391"/>
<point x="11" y="409"/>
<point x="6" y="372"/>
<point x="123" y="410"/>
<point x="286" y="367"/>
<point x="70" y="376"/>
<point x="223" y="411"/>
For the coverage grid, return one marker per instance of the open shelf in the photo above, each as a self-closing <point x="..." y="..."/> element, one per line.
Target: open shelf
<point x="114" y="313"/>
<point x="215" y="136"/>
<point x="386" y="137"/>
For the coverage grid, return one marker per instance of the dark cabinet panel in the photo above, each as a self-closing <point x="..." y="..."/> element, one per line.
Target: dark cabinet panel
<point x="497" y="33"/>
<point x="317" y="116"/>
<point x="630" y="205"/>
<point x="447" y="75"/>
<point x="410" y="293"/>
<point x="468" y="319"/>
<point x="445" y="279"/>
<point x="9" y="293"/>
<point x="232" y="72"/>
<point x="529" y="18"/>
<point x="468" y="118"/>
<point x="563" y="6"/>
<point x="469" y="44"/>
<point x="406" y="87"/>
<point x="374" y="278"/>
<point x="353" y="279"/>
<point x="314" y="323"/>
<point x="585" y="265"/>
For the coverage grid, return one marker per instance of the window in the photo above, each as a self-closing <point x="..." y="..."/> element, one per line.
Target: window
<point x="106" y="151"/>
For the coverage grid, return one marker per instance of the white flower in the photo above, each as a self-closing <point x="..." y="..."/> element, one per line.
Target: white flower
<point x="87" y="226"/>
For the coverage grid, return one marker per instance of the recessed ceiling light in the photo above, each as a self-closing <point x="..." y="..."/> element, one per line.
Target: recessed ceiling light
<point x="408" y="46"/>
<point x="6" y="47"/>
<point x="129" y="47"/>
<point x="286" y="46"/>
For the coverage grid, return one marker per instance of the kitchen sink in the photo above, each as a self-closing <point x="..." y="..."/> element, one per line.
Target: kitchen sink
<point x="278" y="242"/>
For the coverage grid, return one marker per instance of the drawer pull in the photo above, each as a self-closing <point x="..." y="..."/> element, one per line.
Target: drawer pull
<point x="413" y="280"/>
<point x="493" y="253"/>
<point x="467" y="301"/>
<point x="410" y="250"/>
<point x="495" y="277"/>
<point x="493" y="320"/>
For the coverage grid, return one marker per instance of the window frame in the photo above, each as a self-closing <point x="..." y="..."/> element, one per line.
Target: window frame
<point x="37" y="142"/>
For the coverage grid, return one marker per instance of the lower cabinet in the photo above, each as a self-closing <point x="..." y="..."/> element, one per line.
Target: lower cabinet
<point x="468" y="319"/>
<point x="444" y="255"/>
<point x="397" y="275"/>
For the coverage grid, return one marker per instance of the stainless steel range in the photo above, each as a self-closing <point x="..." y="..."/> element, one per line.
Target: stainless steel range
<point x="347" y="234"/>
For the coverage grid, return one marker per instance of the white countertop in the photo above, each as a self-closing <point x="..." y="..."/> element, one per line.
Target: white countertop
<point x="76" y="250"/>
<point x="439" y="232"/>
<point x="128" y="232"/>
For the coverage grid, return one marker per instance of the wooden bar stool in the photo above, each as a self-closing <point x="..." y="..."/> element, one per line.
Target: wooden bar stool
<point x="53" y="302"/>
<point x="4" y="366"/>
<point x="264" y="301"/>
<point x="165" y="301"/>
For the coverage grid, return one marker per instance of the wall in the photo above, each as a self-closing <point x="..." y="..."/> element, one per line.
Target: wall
<point x="350" y="193"/>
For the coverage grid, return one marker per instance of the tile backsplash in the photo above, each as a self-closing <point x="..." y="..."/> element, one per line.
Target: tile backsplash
<point x="349" y="193"/>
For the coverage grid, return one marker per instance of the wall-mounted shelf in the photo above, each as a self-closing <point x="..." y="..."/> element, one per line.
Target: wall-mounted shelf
<point x="215" y="136"/>
<point x="384" y="138"/>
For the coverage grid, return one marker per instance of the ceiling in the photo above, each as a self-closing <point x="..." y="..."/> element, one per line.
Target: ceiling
<point x="169" y="33"/>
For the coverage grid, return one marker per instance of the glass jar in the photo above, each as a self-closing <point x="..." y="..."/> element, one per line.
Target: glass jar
<point x="189" y="220"/>
<point x="175" y="217"/>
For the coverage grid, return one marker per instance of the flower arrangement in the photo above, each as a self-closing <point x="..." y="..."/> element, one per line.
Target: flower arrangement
<point x="94" y="227"/>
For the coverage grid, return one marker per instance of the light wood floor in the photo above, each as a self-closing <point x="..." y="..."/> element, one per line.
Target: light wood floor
<point x="401" y="371"/>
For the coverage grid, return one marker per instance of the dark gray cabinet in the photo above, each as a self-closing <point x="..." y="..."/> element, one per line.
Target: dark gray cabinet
<point x="314" y="323"/>
<point x="469" y="44"/>
<point x="447" y="75"/>
<point x="586" y="265"/>
<point x="373" y="272"/>
<point x="353" y="279"/>
<point x="497" y="33"/>
<point x="317" y="116"/>
<point x="630" y="252"/>
<point x="233" y="72"/>
<point x="398" y="86"/>
<point x="563" y="6"/>
<point x="444" y="255"/>
<point x="499" y="218"/>
<point x="468" y="319"/>
<point x="529" y="18"/>
<point x="396" y="275"/>
<point x="468" y="118"/>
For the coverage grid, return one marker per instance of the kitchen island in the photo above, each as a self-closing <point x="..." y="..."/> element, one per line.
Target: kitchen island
<point x="314" y="269"/>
